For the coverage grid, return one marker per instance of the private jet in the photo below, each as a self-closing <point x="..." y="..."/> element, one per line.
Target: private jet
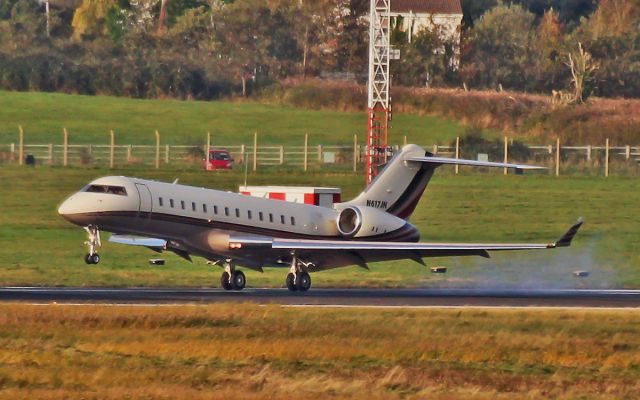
<point x="233" y="230"/>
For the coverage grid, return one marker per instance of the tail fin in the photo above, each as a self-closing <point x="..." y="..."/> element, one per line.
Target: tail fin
<point x="399" y="186"/>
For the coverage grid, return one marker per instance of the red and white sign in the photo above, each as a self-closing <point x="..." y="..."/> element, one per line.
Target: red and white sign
<point x="319" y="196"/>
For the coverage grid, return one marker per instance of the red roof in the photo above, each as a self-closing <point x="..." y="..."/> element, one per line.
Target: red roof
<point x="427" y="6"/>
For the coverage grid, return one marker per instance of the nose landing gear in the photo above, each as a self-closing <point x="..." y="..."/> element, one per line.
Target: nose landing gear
<point x="93" y="241"/>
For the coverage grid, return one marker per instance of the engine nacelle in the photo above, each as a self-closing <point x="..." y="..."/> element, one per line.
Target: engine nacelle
<point x="363" y="222"/>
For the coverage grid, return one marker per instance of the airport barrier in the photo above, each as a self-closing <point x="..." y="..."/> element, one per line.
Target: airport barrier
<point x="587" y="159"/>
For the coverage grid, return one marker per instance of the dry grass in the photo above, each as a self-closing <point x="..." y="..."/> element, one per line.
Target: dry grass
<point x="523" y="114"/>
<point x="247" y="351"/>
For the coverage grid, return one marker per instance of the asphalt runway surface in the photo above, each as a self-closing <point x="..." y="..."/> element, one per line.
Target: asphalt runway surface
<point x="330" y="297"/>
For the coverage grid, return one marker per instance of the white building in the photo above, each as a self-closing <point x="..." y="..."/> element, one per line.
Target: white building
<point x="444" y="16"/>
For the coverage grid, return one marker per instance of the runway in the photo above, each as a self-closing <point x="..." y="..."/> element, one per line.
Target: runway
<point x="330" y="297"/>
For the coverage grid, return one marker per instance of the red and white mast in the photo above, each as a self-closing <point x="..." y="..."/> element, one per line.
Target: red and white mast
<point x="379" y="101"/>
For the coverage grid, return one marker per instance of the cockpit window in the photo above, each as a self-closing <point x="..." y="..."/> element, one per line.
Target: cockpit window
<point x="119" y="190"/>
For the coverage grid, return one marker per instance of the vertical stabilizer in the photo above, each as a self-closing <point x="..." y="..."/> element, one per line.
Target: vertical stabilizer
<point x="398" y="188"/>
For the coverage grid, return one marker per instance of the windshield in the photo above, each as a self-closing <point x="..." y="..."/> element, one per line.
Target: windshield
<point x="219" y="155"/>
<point x="119" y="190"/>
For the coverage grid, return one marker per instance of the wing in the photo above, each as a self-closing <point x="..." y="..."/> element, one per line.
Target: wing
<point x="320" y="252"/>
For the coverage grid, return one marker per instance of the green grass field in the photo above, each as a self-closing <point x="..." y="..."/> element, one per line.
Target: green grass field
<point x="40" y="248"/>
<point x="89" y="119"/>
<point x="254" y="352"/>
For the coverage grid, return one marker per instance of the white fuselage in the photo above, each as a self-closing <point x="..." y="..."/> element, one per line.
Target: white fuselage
<point x="201" y="221"/>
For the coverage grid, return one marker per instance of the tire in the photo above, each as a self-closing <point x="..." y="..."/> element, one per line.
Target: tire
<point x="224" y="281"/>
<point x="87" y="259"/>
<point x="291" y="285"/>
<point x="239" y="280"/>
<point x="95" y="259"/>
<point x="304" y="281"/>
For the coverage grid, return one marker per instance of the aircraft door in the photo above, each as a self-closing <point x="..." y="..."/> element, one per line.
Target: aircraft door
<point x="146" y="202"/>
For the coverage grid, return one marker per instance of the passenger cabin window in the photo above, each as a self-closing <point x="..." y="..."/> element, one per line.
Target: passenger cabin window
<point x="160" y="201"/>
<point x="193" y="206"/>
<point x="282" y="219"/>
<point x="226" y="211"/>
<point x="204" y="208"/>
<point x="270" y="217"/>
<point x="119" y="190"/>
<point x="171" y="203"/>
<point x="182" y="204"/>
<point x="215" y="210"/>
<point x="260" y="216"/>
<point x="293" y="220"/>
<point x="249" y="214"/>
<point x="237" y="213"/>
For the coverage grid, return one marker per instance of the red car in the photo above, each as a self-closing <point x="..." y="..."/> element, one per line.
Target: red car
<point x="218" y="159"/>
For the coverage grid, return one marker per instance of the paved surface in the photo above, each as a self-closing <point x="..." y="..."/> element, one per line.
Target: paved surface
<point x="332" y="297"/>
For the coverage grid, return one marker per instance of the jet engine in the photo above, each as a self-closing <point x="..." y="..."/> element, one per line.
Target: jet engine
<point x="363" y="222"/>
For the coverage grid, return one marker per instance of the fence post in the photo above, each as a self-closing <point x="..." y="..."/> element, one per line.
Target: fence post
<point x="112" y="150"/>
<point x="50" y="154"/>
<point x="255" y="151"/>
<point x="457" y="153"/>
<point x="435" y="149"/>
<point x="506" y="154"/>
<point x="65" y="147"/>
<point x="157" y="149"/>
<point x="558" y="156"/>
<point x="320" y="154"/>
<point x="21" y="146"/>
<point x="167" y="157"/>
<point x="627" y="152"/>
<point x="606" y="158"/>
<point x="355" y="153"/>
<point x="589" y="153"/>
<point x="242" y="154"/>
<point x="405" y="140"/>
<point x="206" y="153"/>
<point x="281" y="154"/>
<point x="306" y="151"/>
<point x="129" y="153"/>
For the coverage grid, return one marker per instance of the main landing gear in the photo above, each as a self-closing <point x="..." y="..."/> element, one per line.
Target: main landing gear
<point x="298" y="278"/>
<point x="93" y="241"/>
<point x="232" y="279"/>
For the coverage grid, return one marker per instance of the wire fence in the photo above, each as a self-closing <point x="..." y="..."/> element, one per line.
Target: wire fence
<point x="587" y="159"/>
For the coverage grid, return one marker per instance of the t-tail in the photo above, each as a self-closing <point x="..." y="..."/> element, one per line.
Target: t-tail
<point x="400" y="185"/>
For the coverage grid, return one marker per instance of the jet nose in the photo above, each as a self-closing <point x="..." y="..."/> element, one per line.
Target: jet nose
<point x="66" y="207"/>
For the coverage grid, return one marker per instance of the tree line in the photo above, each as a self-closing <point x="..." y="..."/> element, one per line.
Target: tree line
<point x="207" y="49"/>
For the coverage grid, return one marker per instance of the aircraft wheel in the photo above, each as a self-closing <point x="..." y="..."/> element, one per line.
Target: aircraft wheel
<point x="239" y="280"/>
<point x="225" y="282"/>
<point x="92" y="258"/>
<point x="291" y="285"/>
<point x="304" y="281"/>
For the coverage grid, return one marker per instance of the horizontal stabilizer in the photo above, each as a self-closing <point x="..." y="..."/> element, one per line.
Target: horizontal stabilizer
<point x="472" y="163"/>
<point x="138" y="241"/>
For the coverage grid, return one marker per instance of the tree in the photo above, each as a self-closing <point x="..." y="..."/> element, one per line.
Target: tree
<point x="549" y="48"/>
<point x="89" y="19"/>
<point x="424" y="61"/>
<point x="498" y="49"/>
<point x="582" y="68"/>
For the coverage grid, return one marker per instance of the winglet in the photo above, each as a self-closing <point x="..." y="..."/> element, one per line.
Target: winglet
<point x="565" y="240"/>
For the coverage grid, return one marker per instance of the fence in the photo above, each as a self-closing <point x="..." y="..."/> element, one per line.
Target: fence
<point x="587" y="159"/>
